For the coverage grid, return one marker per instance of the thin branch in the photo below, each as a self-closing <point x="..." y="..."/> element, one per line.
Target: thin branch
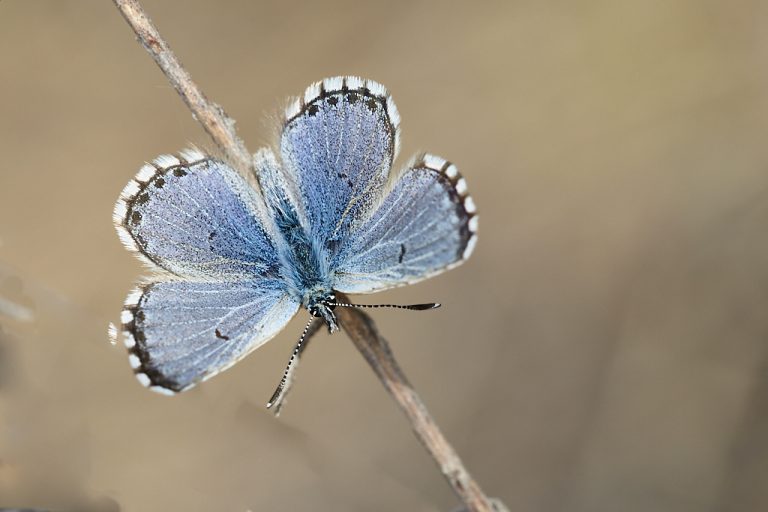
<point x="211" y="116"/>
<point x="375" y="349"/>
<point x="358" y="326"/>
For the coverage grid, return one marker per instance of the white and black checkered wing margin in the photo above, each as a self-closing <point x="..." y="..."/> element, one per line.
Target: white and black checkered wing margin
<point x="426" y="224"/>
<point x="180" y="333"/>
<point x="194" y="216"/>
<point x="222" y="294"/>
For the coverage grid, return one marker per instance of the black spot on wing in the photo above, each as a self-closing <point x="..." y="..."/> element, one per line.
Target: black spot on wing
<point x="344" y="176"/>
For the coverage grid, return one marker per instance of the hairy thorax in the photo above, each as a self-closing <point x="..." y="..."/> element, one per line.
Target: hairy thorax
<point x="308" y="274"/>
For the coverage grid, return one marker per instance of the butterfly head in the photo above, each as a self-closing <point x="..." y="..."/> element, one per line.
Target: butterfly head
<point x="322" y="306"/>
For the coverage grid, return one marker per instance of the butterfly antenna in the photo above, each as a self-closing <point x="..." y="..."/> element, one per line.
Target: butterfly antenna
<point x="279" y="392"/>
<point x="412" y="307"/>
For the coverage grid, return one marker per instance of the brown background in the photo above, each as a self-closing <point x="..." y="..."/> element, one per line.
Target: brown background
<point x="605" y="349"/>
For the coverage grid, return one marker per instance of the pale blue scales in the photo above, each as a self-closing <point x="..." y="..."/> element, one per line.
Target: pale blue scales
<point x="234" y="264"/>
<point x="186" y="331"/>
<point x="422" y="227"/>
<point x="198" y="218"/>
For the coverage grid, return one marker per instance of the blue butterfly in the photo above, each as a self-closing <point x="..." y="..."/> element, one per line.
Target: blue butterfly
<point x="235" y="260"/>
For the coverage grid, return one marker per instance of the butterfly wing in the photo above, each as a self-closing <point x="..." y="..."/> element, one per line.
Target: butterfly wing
<point x="179" y="333"/>
<point x="194" y="216"/>
<point x="338" y="143"/>
<point x="426" y="224"/>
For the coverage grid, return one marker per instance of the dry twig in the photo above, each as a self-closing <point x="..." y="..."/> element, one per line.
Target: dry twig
<point x="358" y="325"/>
<point x="211" y="116"/>
<point x="375" y="349"/>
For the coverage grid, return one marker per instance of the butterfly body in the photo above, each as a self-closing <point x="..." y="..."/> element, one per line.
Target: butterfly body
<point x="305" y="265"/>
<point x="234" y="263"/>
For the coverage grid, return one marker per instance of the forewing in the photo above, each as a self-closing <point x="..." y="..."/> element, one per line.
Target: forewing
<point x="426" y="224"/>
<point x="179" y="333"/>
<point x="194" y="216"/>
<point x="338" y="143"/>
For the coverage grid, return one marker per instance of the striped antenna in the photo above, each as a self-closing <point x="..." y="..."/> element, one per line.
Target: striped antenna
<point x="412" y="307"/>
<point x="279" y="392"/>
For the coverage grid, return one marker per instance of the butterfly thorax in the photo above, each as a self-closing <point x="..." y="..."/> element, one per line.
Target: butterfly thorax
<point x="301" y="258"/>
<point x="305" y="265"/>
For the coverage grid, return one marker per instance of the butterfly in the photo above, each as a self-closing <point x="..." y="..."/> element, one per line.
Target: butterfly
<point x="235" y="259"/>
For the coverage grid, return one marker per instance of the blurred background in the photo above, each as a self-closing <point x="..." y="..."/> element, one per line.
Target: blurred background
<point x="605" y="349"/>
